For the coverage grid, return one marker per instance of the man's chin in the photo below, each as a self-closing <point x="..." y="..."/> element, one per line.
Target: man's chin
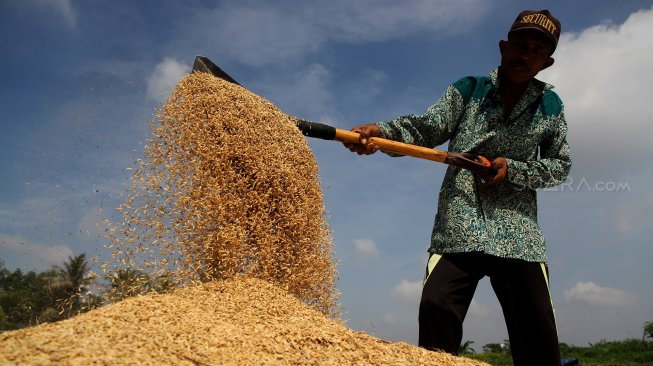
<point x="518" y="75"/>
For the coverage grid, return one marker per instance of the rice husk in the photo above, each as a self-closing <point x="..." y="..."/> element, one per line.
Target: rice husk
<point x="228" y="187"/>
<point x="240" y="321"/>
<point x="226" y="210"/>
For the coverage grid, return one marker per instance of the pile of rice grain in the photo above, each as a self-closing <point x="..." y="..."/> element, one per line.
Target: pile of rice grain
<point x="228" y="187"/>
<point x="242" y="321"/>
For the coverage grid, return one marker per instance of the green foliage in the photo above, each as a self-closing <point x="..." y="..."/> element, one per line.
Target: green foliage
<point x="31" y="298"/>
<point x="498" y="347"/>
<point x="72" y="284"/>
<point x="648" y="330"/>
<point x="23" y="297"/>
<point x="131" y="282"/>
<point x="127" y="283"/>
<point x="629" y="352"/>
<point x="492" y="348"/>
<point x="493" y="358"/>
<point x="466" y="348"/>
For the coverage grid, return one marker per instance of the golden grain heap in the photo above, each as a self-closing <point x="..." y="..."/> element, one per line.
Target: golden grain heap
<point x="228" y="187"/>
<point x="216" y="323"/>
<point x="226" y="202"/>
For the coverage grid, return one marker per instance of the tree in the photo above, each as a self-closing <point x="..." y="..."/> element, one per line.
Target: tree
<point x="74" y="282"/>
<point x="127" y="283"/>
<point x="497" y="347"/>
<point x="466" y="348"/>
<point x="69" y="285"/>
<point x="492" y="348"/>
<point x="648" y="330"/>
<point x="130" y="282"/>
<point x="23" y="297"/>
<point x="32" y="298"/>
<point x="75" y="272"/>
<point x="565" y="348"/>
<point x="4" y="321"/>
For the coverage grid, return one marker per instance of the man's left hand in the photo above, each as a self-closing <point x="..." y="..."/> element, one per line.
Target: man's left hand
<point x="501" y="166"/>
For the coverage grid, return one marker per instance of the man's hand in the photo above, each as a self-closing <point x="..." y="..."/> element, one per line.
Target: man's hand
<point x="365" y="147"/>
<point x="501" y="166"/>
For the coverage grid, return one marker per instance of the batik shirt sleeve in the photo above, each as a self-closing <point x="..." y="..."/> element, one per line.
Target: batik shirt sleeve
<point x="473" y="216"/>
<point x="554" y="162"/>
<point x="430" y="129"/>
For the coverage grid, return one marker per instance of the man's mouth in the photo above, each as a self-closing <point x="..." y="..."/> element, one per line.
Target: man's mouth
<point x="518" y="66"/>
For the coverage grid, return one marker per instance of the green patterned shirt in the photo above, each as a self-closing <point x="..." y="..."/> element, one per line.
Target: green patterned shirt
<point x="500" y="219"/>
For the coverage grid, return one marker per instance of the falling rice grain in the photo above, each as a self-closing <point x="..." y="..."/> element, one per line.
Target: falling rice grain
<point x="228" y="195"/>
<point x="228" y="187"/>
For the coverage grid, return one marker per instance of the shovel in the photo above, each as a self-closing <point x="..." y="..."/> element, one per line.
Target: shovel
<point x="472" y="162"/>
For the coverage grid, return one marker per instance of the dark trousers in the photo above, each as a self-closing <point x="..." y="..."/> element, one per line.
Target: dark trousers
<point x="523" y="292"/>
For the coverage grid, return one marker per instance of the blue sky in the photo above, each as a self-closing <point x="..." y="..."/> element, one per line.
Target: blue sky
<point x="82" y="79"/>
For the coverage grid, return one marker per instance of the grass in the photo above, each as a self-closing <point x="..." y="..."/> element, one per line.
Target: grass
<point x="630" y="352"/>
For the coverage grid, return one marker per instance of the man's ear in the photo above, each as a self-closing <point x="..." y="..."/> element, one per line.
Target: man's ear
<point x="502" y="45"/>
<point x="548" y="63"/>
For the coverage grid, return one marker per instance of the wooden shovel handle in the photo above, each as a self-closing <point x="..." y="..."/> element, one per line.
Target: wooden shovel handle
<point x="410" y="150"/>
<point x="468" y="161"/>
<point x="472" y="162"/>
<point x="394" y="146"/>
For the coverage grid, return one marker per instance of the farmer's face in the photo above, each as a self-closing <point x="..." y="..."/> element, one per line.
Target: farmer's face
<point x="524" y="54"/>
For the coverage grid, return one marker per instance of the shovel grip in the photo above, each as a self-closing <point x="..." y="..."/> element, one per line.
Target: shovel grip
<point x="326" y="132"/>
<point x="316" y="130"/>
<point x="410" y="150"/>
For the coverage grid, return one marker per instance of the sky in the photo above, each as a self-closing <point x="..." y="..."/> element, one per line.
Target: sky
<point x="80" y="81"/>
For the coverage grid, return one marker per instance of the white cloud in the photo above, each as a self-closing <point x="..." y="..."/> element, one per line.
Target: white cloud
<point x="407" y="291"/>
<point x="374" y="20"/>
<point x="306" y="92"/>
<point x="366" y="87"/>
<point x="592" y="294"/>
<point x="65" y="9"/>
<point x="602" y="75"/>
<point x="632" y="217"/>
<point x="19" y="250"/>
<point x="275" y="33"/>
<point x="258" y="34"/>
<point x="390" y="319"/>
<point x="309" y="92"/>
<point x="476" y="309"/>
<point x="38" y="210"/>
<point x="49" y="206"/>
<point x="92" y="222"/>
<point x="60" y="8"/>
<point x="366" y="248"/>
<point x="164" y="78"/>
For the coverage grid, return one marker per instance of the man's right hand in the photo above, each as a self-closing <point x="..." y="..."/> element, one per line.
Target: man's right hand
<point x="365" y="147"/>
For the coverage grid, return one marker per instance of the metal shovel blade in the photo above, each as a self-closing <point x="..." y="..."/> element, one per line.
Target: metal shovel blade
<point x="203" y="64"/>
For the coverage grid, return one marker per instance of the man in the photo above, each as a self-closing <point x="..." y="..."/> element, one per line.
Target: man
<point x="487" y="225"/>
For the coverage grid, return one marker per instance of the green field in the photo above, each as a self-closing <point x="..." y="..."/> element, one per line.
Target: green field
<point x="614" y="353"/>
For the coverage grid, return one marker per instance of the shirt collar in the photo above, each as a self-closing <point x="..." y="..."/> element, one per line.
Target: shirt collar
<point x="533" y="91"/>
<point x="535" y="86"/>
